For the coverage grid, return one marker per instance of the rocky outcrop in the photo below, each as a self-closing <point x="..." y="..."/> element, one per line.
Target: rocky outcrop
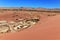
<point x="13" y="26"/>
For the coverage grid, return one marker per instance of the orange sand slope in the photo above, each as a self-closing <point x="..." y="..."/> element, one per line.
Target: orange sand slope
<point x="46" y="29"/>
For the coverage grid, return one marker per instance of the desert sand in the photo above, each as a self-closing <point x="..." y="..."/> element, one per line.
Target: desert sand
<point x="48" y="28"/>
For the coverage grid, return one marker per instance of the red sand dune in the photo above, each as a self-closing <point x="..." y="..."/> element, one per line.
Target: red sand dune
<point x="47" y="29"/>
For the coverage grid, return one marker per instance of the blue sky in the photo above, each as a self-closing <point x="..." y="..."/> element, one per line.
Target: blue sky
<point x="30" y="3"/>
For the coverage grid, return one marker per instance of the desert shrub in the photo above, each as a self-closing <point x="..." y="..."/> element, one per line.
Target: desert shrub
<point x="51" y="14"/>
<point x="1" y="11"/>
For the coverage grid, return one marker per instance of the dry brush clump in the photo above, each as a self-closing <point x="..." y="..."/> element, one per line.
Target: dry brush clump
<point x="52" y="14"/>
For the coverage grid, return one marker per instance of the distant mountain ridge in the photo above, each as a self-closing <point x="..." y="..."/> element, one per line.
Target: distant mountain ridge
<point x="29" y="8"/>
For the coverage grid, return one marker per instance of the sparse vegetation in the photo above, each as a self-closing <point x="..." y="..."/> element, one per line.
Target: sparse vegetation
<point x="51" y="14"/>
